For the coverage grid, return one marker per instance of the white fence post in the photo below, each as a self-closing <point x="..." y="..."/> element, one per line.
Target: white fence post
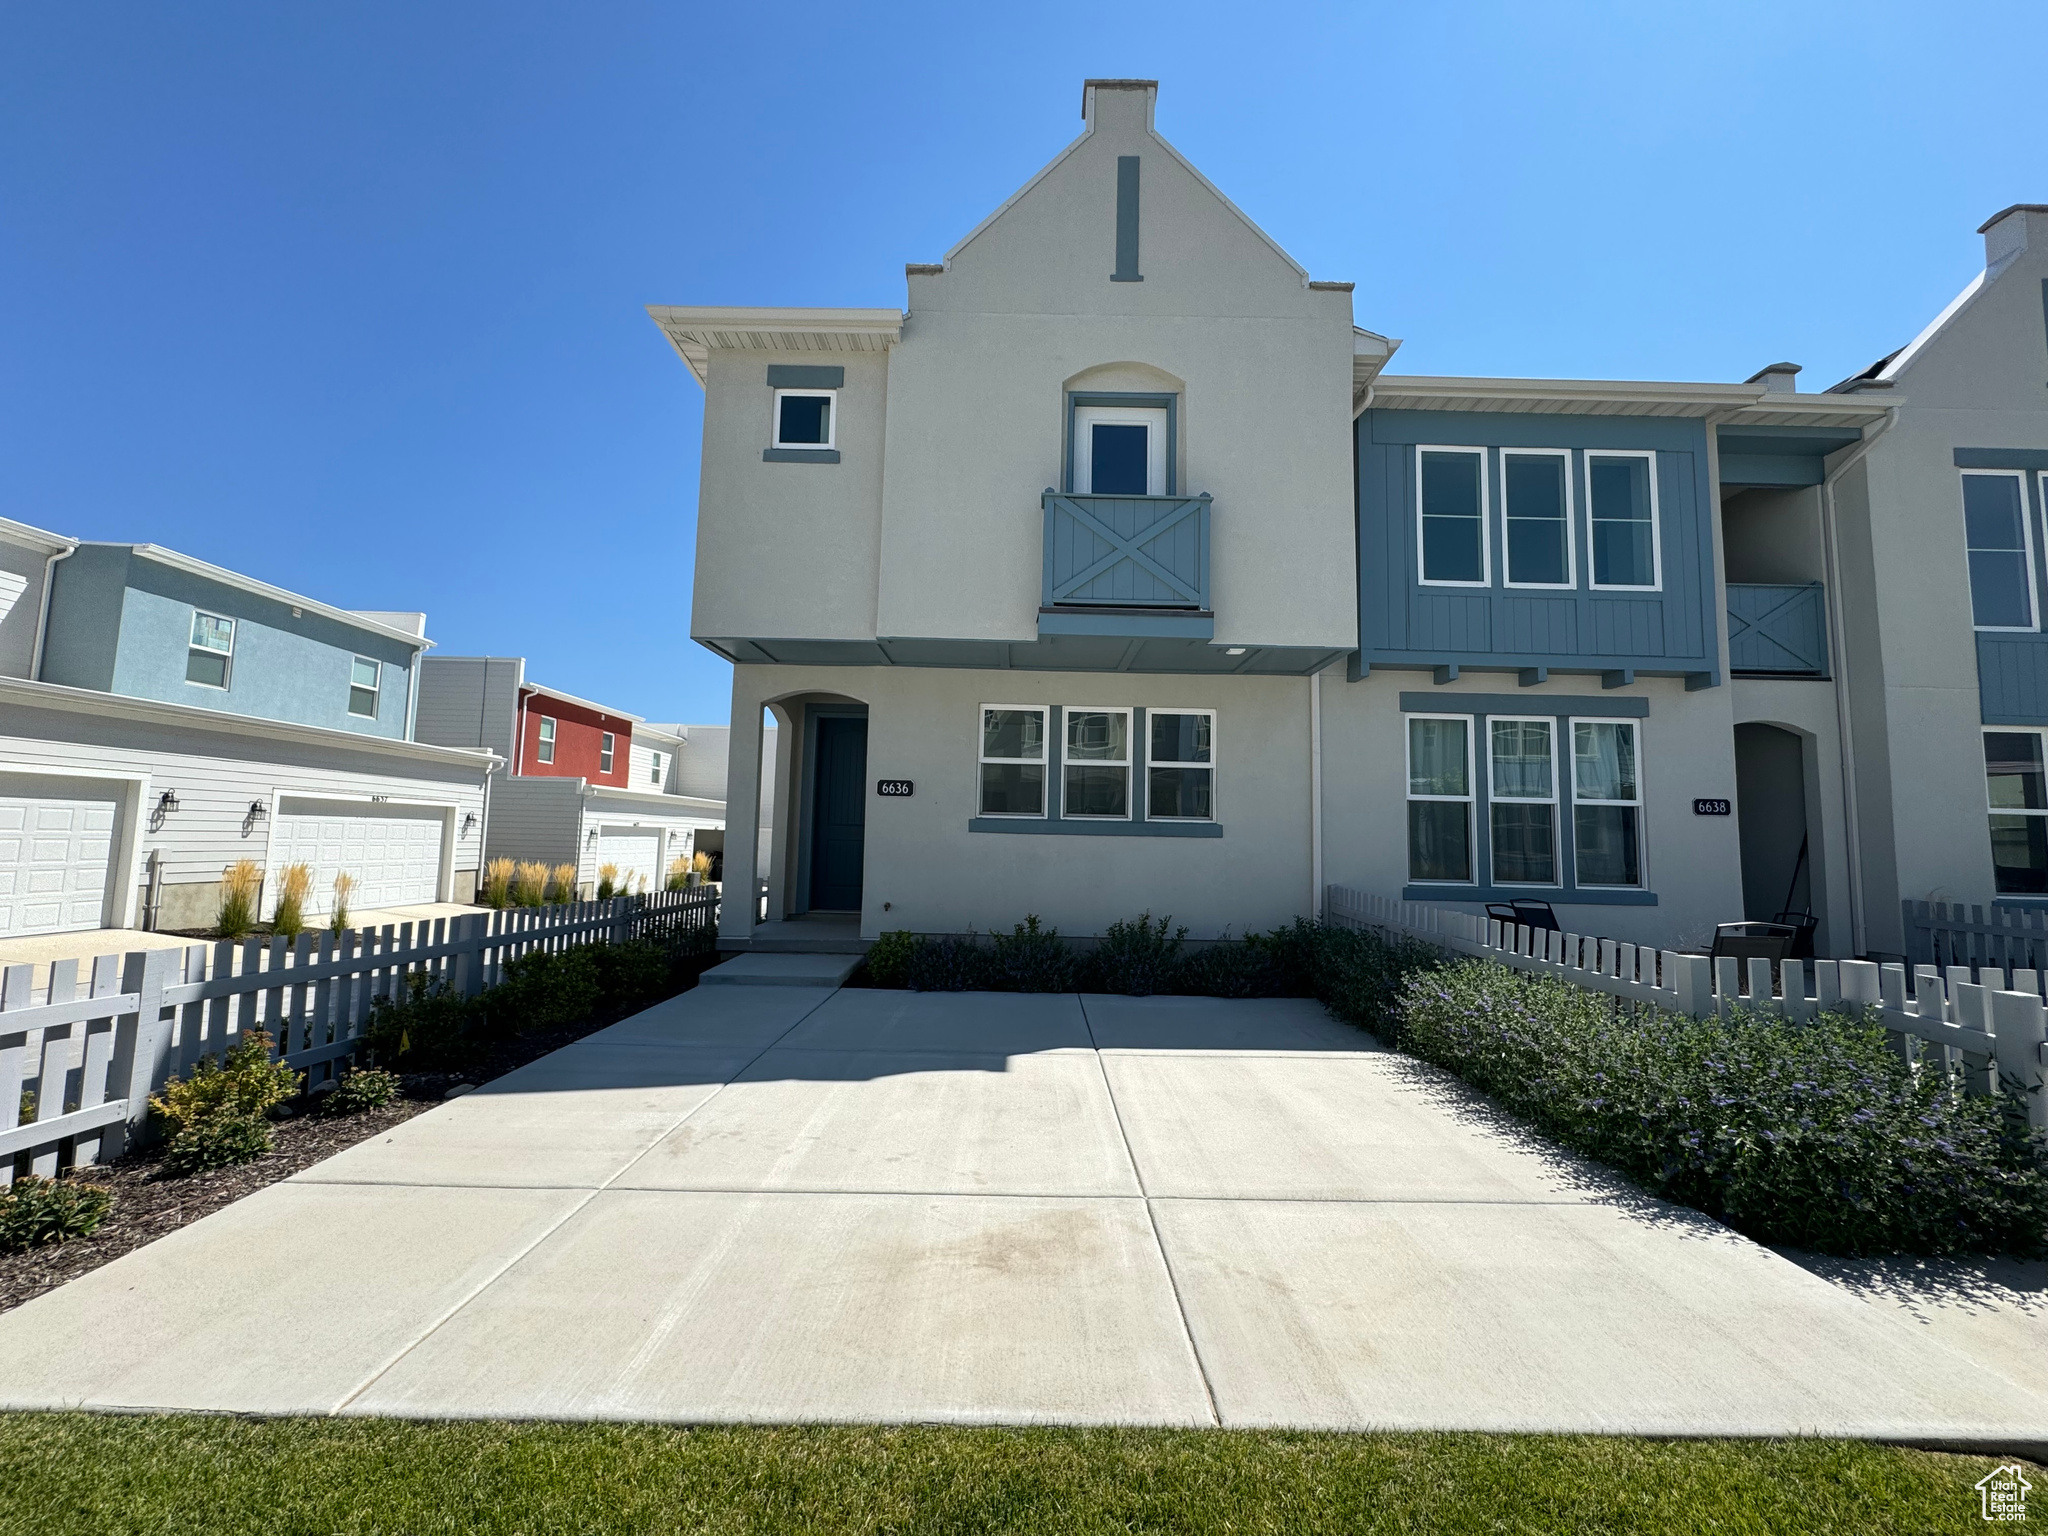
<point x="2020" y="1025"/>
<point x="142" y="1047"/>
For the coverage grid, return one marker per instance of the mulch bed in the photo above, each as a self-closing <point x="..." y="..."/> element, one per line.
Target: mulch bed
<point x="147" y="1206"/>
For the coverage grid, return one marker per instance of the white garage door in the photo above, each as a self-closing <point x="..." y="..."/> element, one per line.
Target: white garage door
<point x="394" y="851"/>
<point x="56" y="840"/>
<point x="637" y="852"/>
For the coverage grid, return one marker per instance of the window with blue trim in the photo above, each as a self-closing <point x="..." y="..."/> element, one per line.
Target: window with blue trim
<point x="2001" y="549"/>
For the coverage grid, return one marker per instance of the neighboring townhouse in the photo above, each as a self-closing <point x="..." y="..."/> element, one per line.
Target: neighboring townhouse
<point x="700" y="768"/>
<point x="585" y="784"/>
<point x="161" y="718"/>
<point x="1116" y="573"/>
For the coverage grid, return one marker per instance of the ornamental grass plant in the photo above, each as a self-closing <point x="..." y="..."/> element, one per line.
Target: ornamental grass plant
<point x="294" y="884"/>
<point x="241" y="883"/>
<point x="344" y="888"/>
<point x="498" y="877"/>
<point x="530" y="883"/>
<point x="607" y="881"/>
<point x="562" y="883"/>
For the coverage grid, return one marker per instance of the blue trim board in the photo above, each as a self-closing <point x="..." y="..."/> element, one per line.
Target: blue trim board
<point x="1553" y="895"/>
<point x="1123" y="623"/>
<point x="1523" y="704"/>
<point x="1053" y="825"/>
<point x="2002" y="458"/>
<point x="799" y="455"/>
<point x="802" y="376"/>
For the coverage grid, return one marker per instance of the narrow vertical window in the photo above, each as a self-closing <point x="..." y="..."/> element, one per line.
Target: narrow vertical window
<point x="211" y="652"/>
<point x="1096" y="767"/>
<point x="654" y="769"/>
<point x="2001" y="547"/>
<point x="1012" y="760"/>
<point x="547" y="738"/>
<point x="1622" y="491"/>
<point x="1536" y="491"/>
<point x="2017" y="789"/>
<point x="1180" y="767"/>
<point x="364" y="676"/>
<point x="1126" y="221"/>
<point x="1607" y="803"/>
<point x="1452" y="515"/>
<point x="1522" y="802"/>
<point x="604" y="754"/>
<point x="1439" y="798"/>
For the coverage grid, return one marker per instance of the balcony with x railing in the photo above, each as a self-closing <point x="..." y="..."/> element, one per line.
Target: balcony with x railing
<point x="1126" y="565"/>
<point x="1778" y="629"/>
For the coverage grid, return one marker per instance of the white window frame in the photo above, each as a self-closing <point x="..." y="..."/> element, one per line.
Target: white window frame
<point x="2026" y="537"/>
<point x="1635" y="724"/>
<point x="1046" y="761"/>
<point x="376" y="689"/>
<point x="1555" y="801"/>
<point x="1507" y="511"/>
<point x="1155" y="418"/>
<point x="544" y="740"/>
<point x="228" y="672"/>
<point x="1593" y="582"/>
<point x="1485" y="518"/>
<point x="1128" y="764"/>
<point x="607" y="752"/>
<point x="831" y="420"/>
<point x="1151" y="763"/>
<point x="655" y="767"/>
<point x="1991" y="810"/>
<point x="1470" y="799"/>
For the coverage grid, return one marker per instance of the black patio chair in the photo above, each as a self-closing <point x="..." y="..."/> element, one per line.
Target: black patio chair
<point x="1753" y="941"/>
<point x="1527" y="913"/>
<point x="1802" y="925"/>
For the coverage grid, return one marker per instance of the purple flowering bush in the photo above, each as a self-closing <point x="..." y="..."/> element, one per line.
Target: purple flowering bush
<point x="1818" y="1136"/>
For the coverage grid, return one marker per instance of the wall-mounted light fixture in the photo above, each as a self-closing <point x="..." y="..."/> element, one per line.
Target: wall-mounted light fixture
<point x="258" y="810"/>
<point x="468" y="821"/>
<point x="166" y="803"/>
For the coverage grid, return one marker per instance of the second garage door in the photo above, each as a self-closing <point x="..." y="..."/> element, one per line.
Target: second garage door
<point x="637" y="852"/>
<point x="56" y="841"/>
<point x="394" y="851"/>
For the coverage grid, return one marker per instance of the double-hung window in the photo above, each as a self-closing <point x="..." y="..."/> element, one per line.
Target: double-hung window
<point x="654" y="768"/>
<point x="1180" y="768"/>
<point x="212" y="651"/>
<point x="1451" y="517"/>
<point x="547" y="738"/>
<point x="1621" y="492"/>
<point x="1096" y="765"/>
<point x="604" y="753"/>
<point x="2016" y="785"/>
<point x="1607" y="803"/>
<point x="1013" y="760"/>
<point x="806" y="418"/>
<point x="364" y="677"/>
<point x="2001" y="545"/>
<point x="1536" y="493"/>
<point x="1440" y="798"/>
<point x="1522" y="801"/>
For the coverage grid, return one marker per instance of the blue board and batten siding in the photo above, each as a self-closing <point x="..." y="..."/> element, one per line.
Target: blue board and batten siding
<point x="1403" y="623"/>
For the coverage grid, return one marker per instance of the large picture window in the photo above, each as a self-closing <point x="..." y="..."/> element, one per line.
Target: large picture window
<point x="1522" y="801"/>
<point x="1621" y="489"/>
<point x="1451" y="517"/>
<point x="1096" y="764"/>
<point x="1012" y="760"/>
<point x="2001" y="545"/>
<point x="212" y="651"/>
<point x="1440" y="798"/>
<point x="1607" y="803"/>
<point x="2016" y="784"/>
<point x="1180" y="767"/>
<point x="1537" y="500"/>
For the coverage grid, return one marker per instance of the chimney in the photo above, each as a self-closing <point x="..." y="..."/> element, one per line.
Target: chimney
<point x="1114" y="104"/>
<point x="1777" y="379"/>
<point x="2005" y="234"/>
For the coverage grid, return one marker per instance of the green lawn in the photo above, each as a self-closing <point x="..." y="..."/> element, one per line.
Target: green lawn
<point x="101" y="1475"/>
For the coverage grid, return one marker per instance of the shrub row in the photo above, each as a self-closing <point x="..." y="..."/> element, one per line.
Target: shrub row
<point x="1816" y="1136"/>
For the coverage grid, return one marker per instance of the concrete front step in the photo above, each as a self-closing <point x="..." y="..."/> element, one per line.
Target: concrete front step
<point x="756" y="969"/>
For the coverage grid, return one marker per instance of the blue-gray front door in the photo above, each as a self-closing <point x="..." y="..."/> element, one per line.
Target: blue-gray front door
<point x="839" y="813"/>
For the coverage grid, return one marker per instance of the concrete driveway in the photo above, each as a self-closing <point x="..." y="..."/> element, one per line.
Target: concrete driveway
<point x="784" y="1203"/>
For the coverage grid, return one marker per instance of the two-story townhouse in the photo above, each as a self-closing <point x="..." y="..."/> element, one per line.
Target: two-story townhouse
<point x="161" y="718"/>
<point x="585" y="784"/>
<point x="1936" y="528"/>
<point x="1034" y="575"/>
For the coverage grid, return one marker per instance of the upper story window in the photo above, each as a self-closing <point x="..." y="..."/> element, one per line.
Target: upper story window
<point x="363" y="680"/>
<point x="1096" y="764"/>
<point x="2016" y="783"/>
<point x="806" y="418"/>
<point x="2001" y="546"/>
<point x="1622" y="490"/>
<point x="1180" y="767"/>
<point x="1451" y="511"/>
<point x="1536" y="491"/>
<point x="212" y="651"/>
<point x="604" y="754"/>
<point x="654" y="768"/>
<point x="547" y="739"/>
<point x="1013" y="760"/>
<point x="1120" y="450"/>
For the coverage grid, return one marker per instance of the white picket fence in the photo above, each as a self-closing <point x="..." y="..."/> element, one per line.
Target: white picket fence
<point x="93" y="1048"/>
<point x="1980" y="1033"/>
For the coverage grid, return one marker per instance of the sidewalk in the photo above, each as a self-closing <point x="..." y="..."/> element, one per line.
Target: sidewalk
<point x="784" y="1204"/>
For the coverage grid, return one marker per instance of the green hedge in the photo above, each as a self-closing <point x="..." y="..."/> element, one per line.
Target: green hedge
<point x="1817" y="1136"/>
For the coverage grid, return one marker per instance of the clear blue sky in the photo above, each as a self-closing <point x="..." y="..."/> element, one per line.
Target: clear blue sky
<point x="349" y="297"/>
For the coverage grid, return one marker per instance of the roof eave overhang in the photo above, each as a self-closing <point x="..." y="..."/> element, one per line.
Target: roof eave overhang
<point x="1746" y="404"/>
<point x="696" y="331"/>
<point x="158" y="555"/>
<point x="570" y="698"/>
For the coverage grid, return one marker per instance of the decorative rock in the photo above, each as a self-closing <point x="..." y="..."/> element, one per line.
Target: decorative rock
<point x="459" y="1090"/>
